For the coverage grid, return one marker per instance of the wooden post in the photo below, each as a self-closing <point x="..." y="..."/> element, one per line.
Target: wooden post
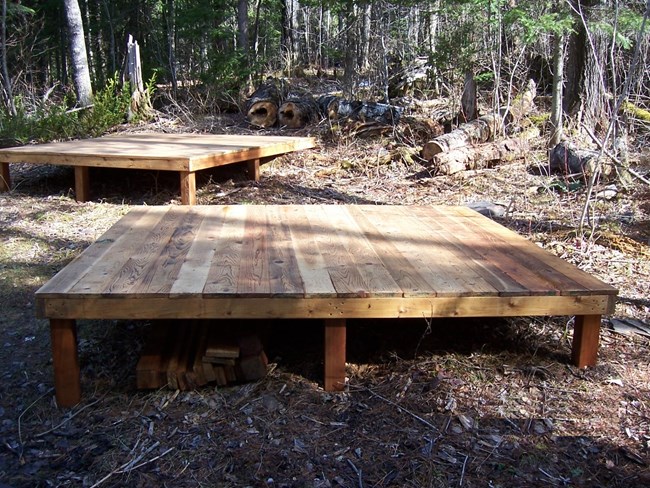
<point x="586" y="333"/>
<point x="188" y="187"/>
<point x="5" y="177"/>
<point x="67" y="381"/>
<point x="253" y="169"/>
<point x="82" y="183"/>
<point x="334" y="354"/>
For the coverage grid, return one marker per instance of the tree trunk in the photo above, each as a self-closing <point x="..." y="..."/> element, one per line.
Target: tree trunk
<point x="262" y="106"/>
<point x="478" y="157"/>
<point x="242" y="26"/>
<point x="570" y="160"/>
<point x="558" y="81"/>
<point x="78" y="53"/>
<point x="469" y="106"/>
<point x="480" y="130"/>
<point x="6" y="81"/>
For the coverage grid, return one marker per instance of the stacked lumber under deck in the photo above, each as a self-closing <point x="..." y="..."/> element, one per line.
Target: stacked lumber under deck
<point x="188" y="354"/>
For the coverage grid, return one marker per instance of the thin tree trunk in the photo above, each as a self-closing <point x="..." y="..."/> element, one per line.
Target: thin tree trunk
<point x="171" y="45"/>
<point x="6" y="81"/>
<point x="78" y="52"/>
<point x="558" y="82"/>
<point x="242" y="26"/>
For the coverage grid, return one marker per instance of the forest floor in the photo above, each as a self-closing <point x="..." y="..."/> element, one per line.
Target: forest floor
<point x="468" y="403"/>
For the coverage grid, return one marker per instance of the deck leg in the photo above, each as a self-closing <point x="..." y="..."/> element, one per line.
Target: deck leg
<point x="5" y="177"/>
<point x="586" y="333"/>
<point x="82" y="183"/>
<point x="334" y="354"/>
<point x="253" y="169"/>
<point x="188" y="187"/>
<point x="67" y="381"/>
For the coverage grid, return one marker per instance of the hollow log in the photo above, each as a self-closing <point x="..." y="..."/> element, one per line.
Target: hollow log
<point x="479" y="157"/>
<point x="297" y="113"/>
<point x="476" y="131"/>
<point x="262" y="105"/>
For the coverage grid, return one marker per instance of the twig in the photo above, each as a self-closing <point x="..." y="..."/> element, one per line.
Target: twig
<point x="69" y="418"/>
<point x="462" y="474"/>
<point x="402" y="409"/>
<point x="357" y="471"/>
<point x="20" y="436"/>
<point x="612" y="157"/>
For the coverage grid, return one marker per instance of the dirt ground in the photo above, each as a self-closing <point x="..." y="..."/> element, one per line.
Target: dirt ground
<point x="471" y="403"/>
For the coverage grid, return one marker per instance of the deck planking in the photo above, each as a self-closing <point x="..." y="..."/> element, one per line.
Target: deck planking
<point x="183" y="153"/>
<point x="322" y="261"/>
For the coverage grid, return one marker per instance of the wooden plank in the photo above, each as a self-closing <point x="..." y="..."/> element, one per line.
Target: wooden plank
<point x="340" y="265"/>
<point x="65" y="360"/>
<point x="402" y="269"/>
<point x="323" y="308"/>
<point x="509" y="275"/>
<point x="160" y="274"/>
<point x="133" y="277"/>
<point x="586" y="335"/>
<point x="224" y="268"/>
<point x="311" y="264"/>
<point x="253" y="169"/>
<point x="467" y="266"/>
<point x="284" y="272"/>
<point x="90" y="265"/>
<point x="193" y="274"/>
<point x="372" y="269"/>
<point x="335" y="338"/>
<point x="427" y="253"/>
<point x="5" y="177"/>
<point x="529" y="250"/>
<point x="253" y="278"/>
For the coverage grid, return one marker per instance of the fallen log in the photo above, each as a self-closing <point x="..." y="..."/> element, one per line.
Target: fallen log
<point x="334" y="108"/>
<point x="476" y="131"/>
<point x="567" y="159"/>
<point x="297" y="112"/>
<point x="262" y="105"/>
<point x="479" y="157"/>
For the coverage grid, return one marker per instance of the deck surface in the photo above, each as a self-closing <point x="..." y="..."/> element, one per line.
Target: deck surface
<point x="316" y="261"/>
<point x="184" y="153"/>
<point x="323" y="262"/>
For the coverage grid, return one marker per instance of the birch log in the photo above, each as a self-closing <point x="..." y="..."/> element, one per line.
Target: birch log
<point x="480" y="156"/>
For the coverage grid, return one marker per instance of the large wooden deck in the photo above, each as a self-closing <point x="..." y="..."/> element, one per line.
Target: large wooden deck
<point x="183" y="153"/>
<point x="322" y="262"/>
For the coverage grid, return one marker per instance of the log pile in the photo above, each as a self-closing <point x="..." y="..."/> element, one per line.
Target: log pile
<point x="185" y="355"/>
<point x="475" y="144"/>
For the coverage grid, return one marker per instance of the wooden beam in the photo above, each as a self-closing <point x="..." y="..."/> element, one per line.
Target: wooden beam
<point x="188" y="187"/>
<point x="65" y="360"/>
<point x="334" y="354"/>
<point x="82" y="183"/>
<point x="5" y="177"/>
<point x="586" y="333"/>
<point x="253" y="169"/>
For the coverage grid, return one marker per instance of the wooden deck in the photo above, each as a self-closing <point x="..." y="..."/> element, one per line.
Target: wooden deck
<point x="322" y="262"/>
<point x="183" y="153"/>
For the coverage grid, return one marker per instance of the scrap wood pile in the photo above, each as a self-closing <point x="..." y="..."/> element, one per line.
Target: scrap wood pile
<point x="277" y="103"/>
<point x="185" y="354"/>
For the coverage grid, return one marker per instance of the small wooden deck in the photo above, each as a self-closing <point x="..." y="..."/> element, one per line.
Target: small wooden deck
<point x="322" y="262"/>
<point x="183" y="153"/>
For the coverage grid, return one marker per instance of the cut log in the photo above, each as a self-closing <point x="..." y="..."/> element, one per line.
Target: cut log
<point x="478" y="157"/>
<point x="297" y="113"/>
<point x="477" y="131"/>
<point x="333" y="108"/>
<point x="262" y="105"/>
<point x="567" y="159"/>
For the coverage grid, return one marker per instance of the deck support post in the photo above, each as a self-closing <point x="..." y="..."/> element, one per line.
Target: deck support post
<point x="188" y="187"/>
<point x="253" y="169"/>
<point x="65" y="359"/>
<point x="586" y="333"/>
<point x="5" y="177"/>
<point x="335" y="333"/>
<point x="82" y="183"/>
